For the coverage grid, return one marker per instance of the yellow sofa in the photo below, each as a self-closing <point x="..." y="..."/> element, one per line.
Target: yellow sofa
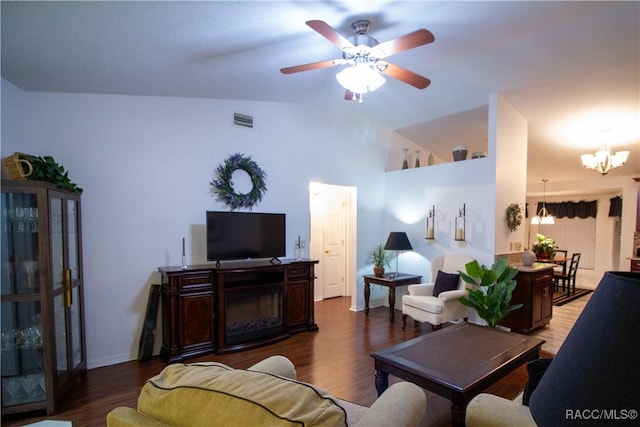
<point x="267" y="394"/>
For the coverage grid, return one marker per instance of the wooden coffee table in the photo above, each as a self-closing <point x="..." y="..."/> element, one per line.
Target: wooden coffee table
<point x="457" y="362"/>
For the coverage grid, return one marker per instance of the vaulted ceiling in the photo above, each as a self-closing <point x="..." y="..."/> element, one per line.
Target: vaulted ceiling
<point x="570" y="68"/>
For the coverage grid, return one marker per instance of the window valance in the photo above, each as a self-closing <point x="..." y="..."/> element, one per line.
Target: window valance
<point x="581" y="209"/>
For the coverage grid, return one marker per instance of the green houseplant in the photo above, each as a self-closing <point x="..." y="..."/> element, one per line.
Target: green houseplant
<point x="45" y="168"/>
<point x="380" y="259"/>
<point x="544" y="247"/>
<point x="492" y="295"/>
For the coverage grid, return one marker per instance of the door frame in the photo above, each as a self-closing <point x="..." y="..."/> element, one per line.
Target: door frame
<point x="317" y="190"/>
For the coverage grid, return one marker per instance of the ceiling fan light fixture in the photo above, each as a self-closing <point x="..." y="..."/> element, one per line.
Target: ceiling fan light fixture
<point x="360" y="78"/>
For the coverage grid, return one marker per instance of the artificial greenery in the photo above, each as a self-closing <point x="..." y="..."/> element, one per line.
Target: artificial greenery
<point x="492" y="295"/>
<point x="223" y="186"/>
<point x="379" y="256"/>
<point x="544" y="247"/>
<point x="514" y="216"/>
<point x="45" y="168"/>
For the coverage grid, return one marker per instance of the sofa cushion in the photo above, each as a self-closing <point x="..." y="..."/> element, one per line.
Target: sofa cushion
<point x="445" y="282"/>
<point x="207" y="394"/>
<point x="536" y="369"/>
<point x="430" y="304"/>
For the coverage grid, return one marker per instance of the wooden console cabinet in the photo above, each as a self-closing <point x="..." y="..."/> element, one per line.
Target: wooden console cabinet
<point x="195" y="317"/>
<point x="535" y="291"/>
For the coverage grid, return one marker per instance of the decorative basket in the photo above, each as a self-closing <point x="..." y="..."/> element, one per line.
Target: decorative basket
<point x="18" y="166"/>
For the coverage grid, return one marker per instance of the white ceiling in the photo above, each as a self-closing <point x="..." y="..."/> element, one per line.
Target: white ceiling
<point x="555" y="62"/>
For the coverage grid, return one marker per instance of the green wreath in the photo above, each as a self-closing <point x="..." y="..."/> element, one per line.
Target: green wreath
<point x="514" y="216"/>
<point x="223" y="186"/>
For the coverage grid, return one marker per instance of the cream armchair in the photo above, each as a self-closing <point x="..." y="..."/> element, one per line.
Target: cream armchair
<point x="422" y="306"/>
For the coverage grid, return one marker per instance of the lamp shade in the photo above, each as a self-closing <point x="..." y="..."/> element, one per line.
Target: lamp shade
<point x="398" y="241"/>
<point x="360" y="78"/>
<point x="595" y="377"/>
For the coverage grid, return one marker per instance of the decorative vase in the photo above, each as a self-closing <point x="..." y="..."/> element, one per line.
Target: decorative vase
<point x="528" y="257"/>
<point x="417" y="158"/>
<point x="405" y="162"/>
<point x="460" y="153"/>
<point x="378" y="270"/>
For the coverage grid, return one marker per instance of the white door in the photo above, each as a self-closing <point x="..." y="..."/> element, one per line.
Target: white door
<point x="334" y="228"/>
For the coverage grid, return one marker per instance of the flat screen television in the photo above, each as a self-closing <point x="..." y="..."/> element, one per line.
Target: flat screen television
<point x="245" y="235"/>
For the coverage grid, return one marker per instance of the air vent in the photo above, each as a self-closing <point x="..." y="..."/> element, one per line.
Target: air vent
<point x="242" y="120"/>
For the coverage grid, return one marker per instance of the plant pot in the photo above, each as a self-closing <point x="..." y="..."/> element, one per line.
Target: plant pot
<point x="546" y="254"/>
<point x="378" y="270"/>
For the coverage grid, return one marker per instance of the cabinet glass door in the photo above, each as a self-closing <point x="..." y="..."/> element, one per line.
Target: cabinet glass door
<point x="22" y="363"/>
<point x="20" y="244"/>
<point x="73" y="245"/>
<point x="59" y="292"/>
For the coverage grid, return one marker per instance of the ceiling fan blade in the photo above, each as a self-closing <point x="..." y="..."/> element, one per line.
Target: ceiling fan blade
<point x="311" y="66"/>
<point x="406" y="76"/>
<point x="330" y="34"/>
<point x="406" y="42"/>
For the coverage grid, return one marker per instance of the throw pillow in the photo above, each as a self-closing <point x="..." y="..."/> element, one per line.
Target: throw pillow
<point x="445" y="282"/>
<point x="536" y="369"/>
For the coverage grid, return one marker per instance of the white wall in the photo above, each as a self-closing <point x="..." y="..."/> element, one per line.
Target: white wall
<point x="14" y="118"/>
<point x="508" y="150"/>
<point x="145" y="164"/>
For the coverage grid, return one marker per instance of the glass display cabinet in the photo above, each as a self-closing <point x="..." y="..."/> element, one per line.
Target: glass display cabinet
<point x="42" y="341"/>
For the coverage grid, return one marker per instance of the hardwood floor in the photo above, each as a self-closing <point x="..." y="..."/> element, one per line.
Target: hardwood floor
<point x="337" y="358"/>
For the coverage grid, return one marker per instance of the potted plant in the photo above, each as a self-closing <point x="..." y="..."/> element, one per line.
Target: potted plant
<point x="45" y="168"/>
<point x="492" y="295"/>
<point x="544" y="247"/>
<point x="380" y="259"/>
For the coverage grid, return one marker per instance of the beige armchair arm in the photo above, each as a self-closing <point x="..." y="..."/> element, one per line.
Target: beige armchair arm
<point x="277" y="365"/>
<point x="490" y="410"/>
<point x="423" y="289"/>
<point x="402" y="404"/>
<point x="450" y="295"/>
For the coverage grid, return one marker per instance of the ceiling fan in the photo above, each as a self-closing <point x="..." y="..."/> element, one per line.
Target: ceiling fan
<point x="365" y="57"/>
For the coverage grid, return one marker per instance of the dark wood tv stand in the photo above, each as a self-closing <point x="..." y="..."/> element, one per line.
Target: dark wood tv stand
<point x="197" y="316"/>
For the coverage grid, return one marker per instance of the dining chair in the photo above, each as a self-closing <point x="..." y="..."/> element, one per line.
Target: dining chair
<point x="561" y="267"/>
<point x="569" y="277"/>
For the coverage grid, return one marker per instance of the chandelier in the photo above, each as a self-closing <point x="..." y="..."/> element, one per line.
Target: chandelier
<point x="543" y="216"/>
<point x="604" y="160"/>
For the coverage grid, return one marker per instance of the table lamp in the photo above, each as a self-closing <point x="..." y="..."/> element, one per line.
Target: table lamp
<point x="398" y="241"/>
<point x="593" y="380"/>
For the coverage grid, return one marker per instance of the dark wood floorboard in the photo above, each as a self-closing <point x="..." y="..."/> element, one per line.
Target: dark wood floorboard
<point x="337" y="358"/>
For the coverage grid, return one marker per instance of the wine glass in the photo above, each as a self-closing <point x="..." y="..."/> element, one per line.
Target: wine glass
<point x="30" y="267"/>
<point x="12" y="385"/>
<point x="29" y="384"/>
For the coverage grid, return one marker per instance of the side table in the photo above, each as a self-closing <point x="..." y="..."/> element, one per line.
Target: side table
<point x="390" y="280"/>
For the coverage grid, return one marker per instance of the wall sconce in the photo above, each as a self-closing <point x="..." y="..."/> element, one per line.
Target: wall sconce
<point x="430" y="224"/>
<point x="460" y="232"/>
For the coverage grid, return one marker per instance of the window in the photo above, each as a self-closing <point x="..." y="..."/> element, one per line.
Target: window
<point x="574" y="235"/>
